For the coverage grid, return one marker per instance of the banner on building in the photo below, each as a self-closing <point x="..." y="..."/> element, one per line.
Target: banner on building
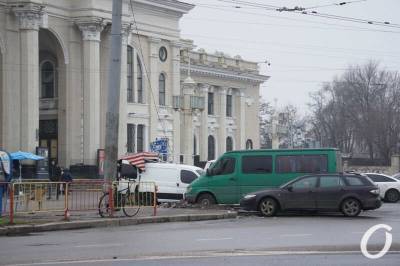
<point x="160" y="146"/>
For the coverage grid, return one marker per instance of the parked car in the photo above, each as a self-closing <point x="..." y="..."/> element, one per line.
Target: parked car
<point x="171" y="179"/>
<point x="348" y="193"/>
<point x="389" y="186"/>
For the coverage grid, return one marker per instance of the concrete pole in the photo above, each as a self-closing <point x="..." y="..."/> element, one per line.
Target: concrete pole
<point x="114" y="83"/>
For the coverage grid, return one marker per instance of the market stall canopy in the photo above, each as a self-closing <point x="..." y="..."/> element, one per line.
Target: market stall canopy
<point x="21" y="155"/>
<point x="139" y="159"/>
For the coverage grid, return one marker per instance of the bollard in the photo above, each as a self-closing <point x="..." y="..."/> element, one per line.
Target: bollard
<point x="155" y="201"/>
<point x="11" y="204"/>
<point x="66" y="212"/>
<point x="111" y="200"/>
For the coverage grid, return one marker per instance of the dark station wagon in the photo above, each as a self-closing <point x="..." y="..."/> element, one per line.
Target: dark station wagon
<point x="348" y="193"/>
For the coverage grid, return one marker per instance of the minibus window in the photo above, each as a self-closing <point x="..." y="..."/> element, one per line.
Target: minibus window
<point x="259" y="164"/>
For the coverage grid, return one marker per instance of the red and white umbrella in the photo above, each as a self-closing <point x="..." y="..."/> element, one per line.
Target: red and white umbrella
<point x="139" y="159"/>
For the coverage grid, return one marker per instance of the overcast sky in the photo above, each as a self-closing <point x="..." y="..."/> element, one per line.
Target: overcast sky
<point x="303" y="50"/>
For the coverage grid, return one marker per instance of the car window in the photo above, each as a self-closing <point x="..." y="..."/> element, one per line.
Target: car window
<point x="307" y="182"/>
<point x="355" y="181"/>
<point x="380" y="178"/>
<point x="397" y="176"/>
<point x="259" y="164"/>
<point x="187" y="177"/>
<point x="224" y="166"/>
<point x="330" y="181"/>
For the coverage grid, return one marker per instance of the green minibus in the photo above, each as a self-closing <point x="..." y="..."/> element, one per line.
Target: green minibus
<point x="237" y="173"/>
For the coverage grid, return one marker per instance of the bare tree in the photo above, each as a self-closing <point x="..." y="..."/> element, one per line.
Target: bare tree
<point x="359" y="110"/>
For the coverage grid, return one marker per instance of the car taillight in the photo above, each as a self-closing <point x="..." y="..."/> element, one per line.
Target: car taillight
<point x="374" y="191"/>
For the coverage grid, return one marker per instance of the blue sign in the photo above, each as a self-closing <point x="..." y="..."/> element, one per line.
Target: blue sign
<point x="160" y="146"/>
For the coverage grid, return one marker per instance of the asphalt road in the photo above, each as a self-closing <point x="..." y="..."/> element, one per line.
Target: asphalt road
<point x="302" y="239"/>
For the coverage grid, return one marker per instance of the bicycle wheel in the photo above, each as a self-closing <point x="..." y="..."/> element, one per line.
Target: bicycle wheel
<point x="104" y="207"/>
<point x="130" y="204"/>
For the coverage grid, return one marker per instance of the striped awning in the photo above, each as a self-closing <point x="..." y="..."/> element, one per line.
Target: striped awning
<point x="139" y="159"/>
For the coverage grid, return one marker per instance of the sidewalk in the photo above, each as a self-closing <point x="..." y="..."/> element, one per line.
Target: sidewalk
<point x="40" y="222"/>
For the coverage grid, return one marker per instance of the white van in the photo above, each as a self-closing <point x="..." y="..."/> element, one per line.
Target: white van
<point x="171" y="179"/>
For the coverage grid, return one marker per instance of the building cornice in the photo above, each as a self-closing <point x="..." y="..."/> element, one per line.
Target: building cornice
<point x="172" y="5"/>
<point x="225" y="74"/>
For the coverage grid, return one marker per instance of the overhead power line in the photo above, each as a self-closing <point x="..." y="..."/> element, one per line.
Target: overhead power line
<point x="301" y="10"/>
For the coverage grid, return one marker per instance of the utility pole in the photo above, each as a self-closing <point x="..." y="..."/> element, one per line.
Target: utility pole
<point x="114" y="81"/>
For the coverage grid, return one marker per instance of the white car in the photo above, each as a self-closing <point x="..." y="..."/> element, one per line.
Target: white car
<point x="389" y="187"/>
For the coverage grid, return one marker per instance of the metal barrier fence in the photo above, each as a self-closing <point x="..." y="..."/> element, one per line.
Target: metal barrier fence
<point x="130" y="196"/>
<point x="39" y="196"/>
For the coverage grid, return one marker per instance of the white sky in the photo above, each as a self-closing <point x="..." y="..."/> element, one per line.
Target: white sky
<point x="303" y="50"/>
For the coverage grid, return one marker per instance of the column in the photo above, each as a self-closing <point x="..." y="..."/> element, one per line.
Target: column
<point x="123" y="115"/>
<point x="176" y="91"/>
<point x="242" y="122"/>
<point x="91" y="30"/>
<point x="187" y="125"/>
<point x="29" y="17"/>
<point x="222" y="121"/>
<point x="203" y="138"/>
<point x="153" y="95"/>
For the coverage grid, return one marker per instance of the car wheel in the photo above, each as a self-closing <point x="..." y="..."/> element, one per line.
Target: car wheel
<point x="351" y="207"/>
<point x="268" y="207"/>
<point x="206" y="200"/>
<point x="392" y="195"/>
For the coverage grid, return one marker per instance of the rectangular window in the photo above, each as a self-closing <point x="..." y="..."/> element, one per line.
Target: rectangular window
<point x="129" y="75"/>
<point x="140" y="138"/>
<point x="131" y="138"/>
<point x="210" y="103"/>
<point x="229" y="105"/>
<point x="259" y="164"/>
<point x="301" y="163"/>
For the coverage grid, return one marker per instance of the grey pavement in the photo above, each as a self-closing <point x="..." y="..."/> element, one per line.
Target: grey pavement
<point x="317" y="259"/>
<point x="245" y="239"/>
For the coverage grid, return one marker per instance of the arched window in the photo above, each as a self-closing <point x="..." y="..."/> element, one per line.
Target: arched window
<point x="211" y="148"/>
<point x="229" y="144"/>
<point x="139" y="81"/>
<point x="129" y="75"/>
<point x="249" y="144"/>
<point x="161" y="89"/>
<point x="48" y="80"/>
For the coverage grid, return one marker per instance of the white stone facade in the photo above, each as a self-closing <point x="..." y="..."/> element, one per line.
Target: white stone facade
<point x="53" y="81"/>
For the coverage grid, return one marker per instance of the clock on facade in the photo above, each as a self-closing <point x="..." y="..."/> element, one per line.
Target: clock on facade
<point x="162" y="53"/>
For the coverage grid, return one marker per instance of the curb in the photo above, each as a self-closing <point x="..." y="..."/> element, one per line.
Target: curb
<point x="109" y="222"/>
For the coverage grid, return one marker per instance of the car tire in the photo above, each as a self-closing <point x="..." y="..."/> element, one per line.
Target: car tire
<point x="351" y="207"/>
<point x="268" y="207"/>
<point x="392" y="195"/>
<point x="206" y="200"/>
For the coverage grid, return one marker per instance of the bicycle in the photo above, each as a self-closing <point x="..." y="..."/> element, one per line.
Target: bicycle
<point x="124" y="198"/>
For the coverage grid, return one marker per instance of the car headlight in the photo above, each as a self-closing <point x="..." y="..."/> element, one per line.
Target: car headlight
<point x="249" y="196"/>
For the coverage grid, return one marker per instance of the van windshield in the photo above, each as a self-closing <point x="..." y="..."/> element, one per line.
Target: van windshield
<point x="200" y="172"/>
